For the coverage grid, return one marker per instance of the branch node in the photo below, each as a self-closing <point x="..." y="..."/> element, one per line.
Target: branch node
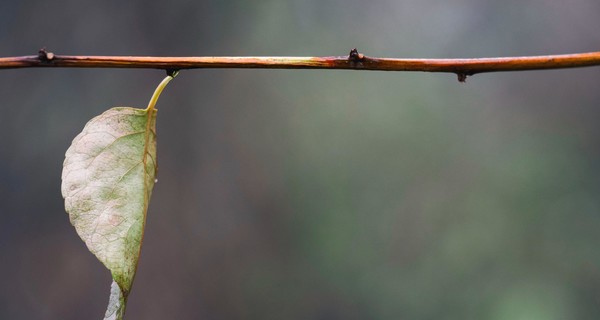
<point x="45" y="56"/>
<point x="172" y="72"/>
<point x="355" y="57"/>
<point x="462" y="77"/>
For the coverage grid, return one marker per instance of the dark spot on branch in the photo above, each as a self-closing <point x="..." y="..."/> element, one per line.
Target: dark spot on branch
<point x="172" y="72"/>
<point x="355" y="57"/>
<point x="45" y="56"/>
<point x="462" y="77"/>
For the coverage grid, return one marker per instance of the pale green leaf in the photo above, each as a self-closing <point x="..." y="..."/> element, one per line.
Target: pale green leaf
<point x="108" y="176"/>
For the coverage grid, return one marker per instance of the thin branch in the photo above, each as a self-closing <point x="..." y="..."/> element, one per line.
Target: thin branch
<point x="353" y="61"/>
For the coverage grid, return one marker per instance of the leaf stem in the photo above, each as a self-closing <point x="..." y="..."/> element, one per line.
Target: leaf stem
<point x="159" y="90"/>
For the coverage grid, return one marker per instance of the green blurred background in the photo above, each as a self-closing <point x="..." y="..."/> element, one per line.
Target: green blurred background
<point x="287" y="194"/>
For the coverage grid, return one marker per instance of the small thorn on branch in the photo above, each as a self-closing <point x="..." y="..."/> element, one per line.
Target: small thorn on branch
<point x="45" y="56"/>
<point x="355" y="57"/>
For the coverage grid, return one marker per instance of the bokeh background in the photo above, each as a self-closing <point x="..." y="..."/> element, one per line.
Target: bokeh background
<point x="287" y="194"/>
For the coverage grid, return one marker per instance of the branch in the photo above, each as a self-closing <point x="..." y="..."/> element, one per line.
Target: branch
<point x="354" y="61"/>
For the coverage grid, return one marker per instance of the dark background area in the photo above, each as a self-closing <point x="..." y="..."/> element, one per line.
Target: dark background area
<point x="287" y="194"/>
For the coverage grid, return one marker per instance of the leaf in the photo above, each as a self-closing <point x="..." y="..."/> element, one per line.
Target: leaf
<point x="107" y="180"/>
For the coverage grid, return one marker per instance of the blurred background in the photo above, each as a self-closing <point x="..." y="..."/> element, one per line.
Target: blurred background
<point x="287" y="194"/>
